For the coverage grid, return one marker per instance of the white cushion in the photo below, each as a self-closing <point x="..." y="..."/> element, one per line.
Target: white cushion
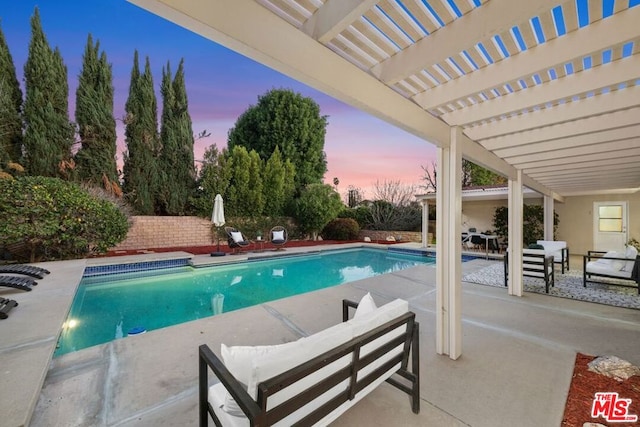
<point x="598" y="267"/>
<point x="238" y="360"/>
<point x="278" y="235"/>
<point x="237" y="236"/>
<point x="613" y="264"/>
<point x="631" y="253"/>
<point x="366" y="305"/>
<point x="553" y="247"/>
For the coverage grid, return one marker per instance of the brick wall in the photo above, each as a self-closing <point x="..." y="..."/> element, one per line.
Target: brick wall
<point x="167" y="231"/>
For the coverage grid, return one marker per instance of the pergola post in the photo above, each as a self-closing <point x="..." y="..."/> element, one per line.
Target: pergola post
<point x="516" y="201"/>
<point x="548" y="218"/>
<point x="448" y="252"/>
<point x="425" y="222"/>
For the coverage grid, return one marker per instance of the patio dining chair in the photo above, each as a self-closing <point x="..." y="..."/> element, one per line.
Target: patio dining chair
<point x="278" y="236"/>
<point x="236" y="239"/>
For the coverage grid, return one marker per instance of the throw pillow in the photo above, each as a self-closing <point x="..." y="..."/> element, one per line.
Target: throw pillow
<point x="238" y="360"/>
<point x="237" y="236"/>
<point x="366" y="305"/>
<point x="278" y="235"/>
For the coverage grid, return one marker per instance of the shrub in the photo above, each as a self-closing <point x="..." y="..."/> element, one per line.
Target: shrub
<point x="532" y="226"/>
<point x="362" y="214"/>
<point x="341" y="229"/>
<point x="56" y="219"/>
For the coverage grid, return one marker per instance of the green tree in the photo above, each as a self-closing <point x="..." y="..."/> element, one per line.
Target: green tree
<point x="96" y="158"/>
<point x="317" y="205"/>
<point x="532" y="225"/>
<point x="10" y="108"/>
<point x="244" y="195"/>
<point x="213" y="178"/>
<point x="48" y="135"/>
<point x="278" y="179"/>
<point x="285" y="119"/>
<point x="176" y="137"/>
<point x="141" y="180"/>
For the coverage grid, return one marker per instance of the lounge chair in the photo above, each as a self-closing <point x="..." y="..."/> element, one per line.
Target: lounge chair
<point x="559" y="250"/>
<point x="23" y="283"/>
<point x="5" y="307"/>
<point x="535" y="263"/>
<point x="612" y="265"/>
<point x="28" y="270"/>
<point x="236" y="239"/>
<point x="278" y="236"/>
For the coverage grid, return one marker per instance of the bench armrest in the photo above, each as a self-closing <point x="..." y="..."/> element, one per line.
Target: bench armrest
<point x="345" y="308"/>
<point x="208" y="359"/>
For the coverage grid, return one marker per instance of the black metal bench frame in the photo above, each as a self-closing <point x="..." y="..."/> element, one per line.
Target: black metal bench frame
<point x="594" y="255"/>
<point x="543" y="260"/>
<point x="256" y="411"/>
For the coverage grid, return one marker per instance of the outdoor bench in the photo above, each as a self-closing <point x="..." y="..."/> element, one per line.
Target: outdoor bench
<point x="313" y="380"/>
<point x="535" y="263"/>
<point x="620" y="266"/>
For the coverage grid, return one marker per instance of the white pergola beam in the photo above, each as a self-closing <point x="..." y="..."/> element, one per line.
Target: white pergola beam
<point x="335" y="16"/>
<point x="605" y="169"/>
<point x="618" y="154"/>
<point x="494" y="17"/>
<point x="569" y="153"/>
<point x="619" y="120"/>
<point x="622" y="161"/>
<point x="575" y="45"/>
<point x="623" y="70"/>
<point x="253" y="31"/>
<point x="588" y="107"/>
<point x="586" y="140"/>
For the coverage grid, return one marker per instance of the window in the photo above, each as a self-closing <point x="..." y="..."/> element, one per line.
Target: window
<point x="610" y="219"/>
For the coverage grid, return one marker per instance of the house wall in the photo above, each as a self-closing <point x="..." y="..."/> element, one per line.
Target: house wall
<point x="478" y="214"/>
<point x="576" y="219"/>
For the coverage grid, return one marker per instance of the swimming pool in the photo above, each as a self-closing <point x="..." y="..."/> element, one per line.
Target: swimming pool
<point x="114" y="306"/>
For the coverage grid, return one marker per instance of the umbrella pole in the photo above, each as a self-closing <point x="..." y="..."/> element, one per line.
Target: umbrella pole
<point x="218" y="236"/>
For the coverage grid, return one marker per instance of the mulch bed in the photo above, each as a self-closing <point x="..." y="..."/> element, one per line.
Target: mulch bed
<point x="584" y="385"/>
<point x="203" y="250"/>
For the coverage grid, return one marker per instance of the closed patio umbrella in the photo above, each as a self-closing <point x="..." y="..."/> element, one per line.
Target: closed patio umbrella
<point x="217" y="218"/>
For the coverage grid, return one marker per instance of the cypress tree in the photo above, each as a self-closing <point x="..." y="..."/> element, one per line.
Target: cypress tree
<point x="141" y="181"/>
<point x="278" y="179"/>
<point x="10" y="108"/>
<point x="96" y="159"/>
<point x="48" y="135"/>
<point x="177" y="141"/>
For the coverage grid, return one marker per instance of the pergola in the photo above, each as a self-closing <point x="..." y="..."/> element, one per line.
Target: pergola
<point x="543" y="92"/>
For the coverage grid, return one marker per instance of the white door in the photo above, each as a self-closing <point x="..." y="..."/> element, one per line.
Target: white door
<point x="610" y="226"/>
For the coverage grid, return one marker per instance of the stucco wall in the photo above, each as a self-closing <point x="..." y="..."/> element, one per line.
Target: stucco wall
<point x="576" y="219"/>
<point x="167" y="231"/>
<point x="478" y="214"/>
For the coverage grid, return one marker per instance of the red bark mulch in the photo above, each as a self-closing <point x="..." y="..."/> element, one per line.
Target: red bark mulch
<point x="585" y="384"/>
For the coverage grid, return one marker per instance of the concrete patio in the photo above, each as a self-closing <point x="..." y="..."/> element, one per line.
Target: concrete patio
<point x="518" y="355"/>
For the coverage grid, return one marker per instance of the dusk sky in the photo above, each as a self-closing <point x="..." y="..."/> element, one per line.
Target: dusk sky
<point x="221" y="84"/>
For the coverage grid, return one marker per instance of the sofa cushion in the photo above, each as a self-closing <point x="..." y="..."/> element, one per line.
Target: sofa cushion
<point x="237" y="360"/>
<point x="553" y="247"/>
<point x="597" y="267"/>
<point x="631" y="253"/>
<point x="613" y="264"/>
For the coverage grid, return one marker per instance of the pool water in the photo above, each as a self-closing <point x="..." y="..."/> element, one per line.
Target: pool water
<point x="115" y="306"/>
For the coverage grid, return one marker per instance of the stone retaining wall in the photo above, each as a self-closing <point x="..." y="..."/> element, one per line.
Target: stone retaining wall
<point x="403" y="236"/>
<point x="167" y="231"/>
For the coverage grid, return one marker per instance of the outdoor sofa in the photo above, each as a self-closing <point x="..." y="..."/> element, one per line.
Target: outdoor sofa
<point x="623" y="266"/>
<point x="313" y="380"/>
